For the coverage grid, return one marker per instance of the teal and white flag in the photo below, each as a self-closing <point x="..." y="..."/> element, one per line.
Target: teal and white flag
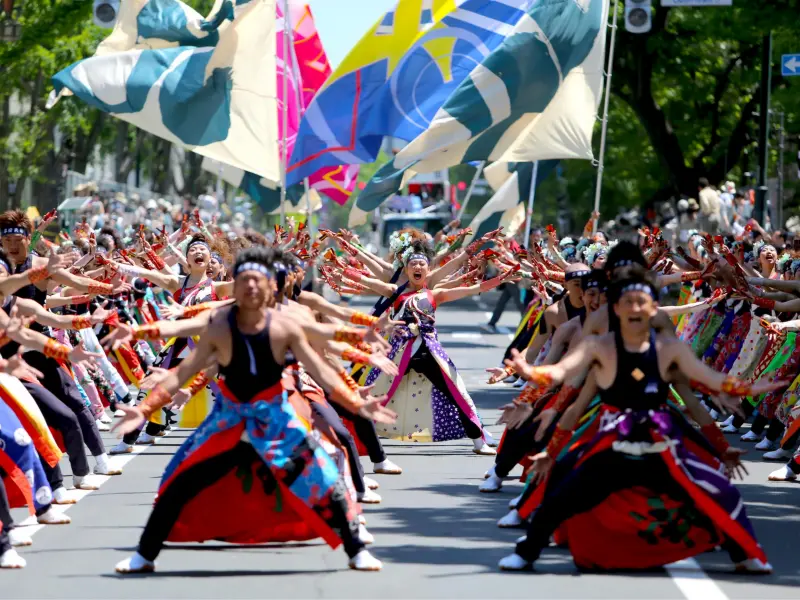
<point x="507" y="208"/>
<point x="533" y="98"/>
<point x="208" y="84"/>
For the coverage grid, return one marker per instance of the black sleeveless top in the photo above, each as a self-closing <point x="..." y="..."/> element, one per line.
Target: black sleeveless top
<point x="638" y="384"/>
<point x="252" y="367"/>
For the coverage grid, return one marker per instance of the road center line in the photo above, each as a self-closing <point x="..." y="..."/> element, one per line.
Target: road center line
<point x="693" y="582"/>
<point x="115" y="462"/>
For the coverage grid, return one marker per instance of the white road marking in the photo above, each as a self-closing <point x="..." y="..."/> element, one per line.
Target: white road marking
<point x="114" y="462"/>
<point x="693" y="582"/>
<point x="466" y="335"/>
<point x="511" y="337"/>
<point x="488" y="315"/>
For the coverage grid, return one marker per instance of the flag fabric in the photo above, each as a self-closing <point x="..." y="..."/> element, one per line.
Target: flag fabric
<point x="396" y="78"/>
<point x="306" y="70"/>
<point x="206" y="84"/>
<point x="534" y="98"/>
<point x="508" y="206"/>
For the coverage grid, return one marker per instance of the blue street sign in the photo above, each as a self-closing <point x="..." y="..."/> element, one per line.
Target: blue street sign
<point x="790" y="65"/>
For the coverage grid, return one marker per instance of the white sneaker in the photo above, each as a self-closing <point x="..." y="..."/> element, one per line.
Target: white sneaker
<point x="80" y="483"/>
<point x="511" y="520"/>
<point x="779" y="454"/>
<point x="364" y="561"/>
<point x="783" y="474"/>
<point x="365" y="536"/>
<point x="386" y="467"/>
<point x="728" y="421"/>
<point x="729" y="428"/>
<point x="481" y="447"/>
<point x="135" y="564"/>
<point x="19" y="538"/>
<point x="491" y="484"/>
<point x="105" y="418"/>
<point x="101" y="426"/>
<point x="766" y="445"/>
<point x="514" y="503"/>
<point x="103" y="468"/>
<point x="51" y="517"/>
<point x="145" y="438"/>
<point x="514" y="562"/>
<point x="61" y="496"/>
<point x="121" y="448"/>
<point x="11" y="560"/>
<point x="369" y="497"/>
<point x="753" y="565"/>
<point x="751" y="436"/>
<point x="371" y="483"/>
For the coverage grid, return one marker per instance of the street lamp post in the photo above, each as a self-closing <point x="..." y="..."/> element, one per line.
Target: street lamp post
<point x="10" y="29"/>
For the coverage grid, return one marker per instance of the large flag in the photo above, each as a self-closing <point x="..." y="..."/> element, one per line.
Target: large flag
<point x="535" y="97"/>
<point x="207" y="84"/>
<point x="396" y="78"/>
<point x="508" y="207"/>
<point x="306" y="70"/>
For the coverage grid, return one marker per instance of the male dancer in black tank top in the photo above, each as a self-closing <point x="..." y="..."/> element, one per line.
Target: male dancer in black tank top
<point x="60" y="402"/>
<point x="231" y="340"/>
<point x="633" y="364"/>
<point x="558" y="313"/>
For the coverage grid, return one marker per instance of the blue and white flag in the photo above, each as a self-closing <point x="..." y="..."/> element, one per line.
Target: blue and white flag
<point x="534" y="98"/>
<point x="396" y="78"/>
<point x="206" y="84"/>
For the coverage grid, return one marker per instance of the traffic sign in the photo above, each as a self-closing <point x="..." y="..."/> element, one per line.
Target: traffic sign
<point x="790" y="65"/>
<point x="679" y="3"/>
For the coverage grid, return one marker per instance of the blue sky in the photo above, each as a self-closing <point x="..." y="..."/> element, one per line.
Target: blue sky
<point x="341" y="23"/>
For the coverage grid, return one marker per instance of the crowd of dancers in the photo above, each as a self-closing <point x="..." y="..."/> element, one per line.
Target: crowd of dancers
<point x="615" y="423"/>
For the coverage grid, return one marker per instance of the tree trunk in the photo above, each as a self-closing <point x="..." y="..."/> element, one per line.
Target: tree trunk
<point x="84" y="145"/>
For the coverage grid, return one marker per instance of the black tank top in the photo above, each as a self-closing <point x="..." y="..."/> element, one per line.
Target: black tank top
<point x="638" y="384"/>
<point x="31" y="292"/>
<point x="252" y="368"/>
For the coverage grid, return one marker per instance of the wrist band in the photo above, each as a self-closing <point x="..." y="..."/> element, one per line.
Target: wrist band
<point x="715" y="437"/>
<point x="355" y="356"/>
<point x="349" y="335"/>
<point x="558" y="276"/>
<point x="540" y="377"/>
<point x="146" y="332"/>
<point x="507" y="372"/>
<point x="156" y="399"/>
<point x="38" y="274"/>
<point x="360" y="318"/>
<point x="156" y="259"/>
<point x="100" y="288"/>
<point x="198" y="383"/>
<point x="195" y="310"/>
<point x="565" y="397"/>
<point x="764" y="303"/>
<point x="352" y="274"/>
<point x="81" y="322"/>
<point x="52" y="349"/>
<point x="351" y="383"/>
<point x="346" y="397"/>
<point x="736" y="387"/>
<point x="531" y="395"/>
<point x="558" y="442"/>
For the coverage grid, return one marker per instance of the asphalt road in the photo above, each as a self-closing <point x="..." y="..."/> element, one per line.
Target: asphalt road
<point x="435" y="533"/>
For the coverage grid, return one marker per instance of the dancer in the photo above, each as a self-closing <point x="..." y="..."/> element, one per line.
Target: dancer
<point x="641" y="445"/>
<point x="252" y="427"/>
<point x="429" y="394"/>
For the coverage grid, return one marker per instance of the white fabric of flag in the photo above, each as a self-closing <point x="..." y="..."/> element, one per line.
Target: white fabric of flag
<point x="207" y="84"/>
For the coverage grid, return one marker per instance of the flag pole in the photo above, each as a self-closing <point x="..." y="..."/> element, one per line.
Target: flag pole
<point x="604" y="128"/>
<point x="531" y="199"/>
<point x="472" y="183"/>
<point x="284" y="109"/>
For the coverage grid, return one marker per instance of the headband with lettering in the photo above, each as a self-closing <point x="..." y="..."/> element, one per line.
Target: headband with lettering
<point x="638" y="287"/>
<point x="216" y="257"/>
<point x="417" y="256"/>
<point x="575" y="275"/>
<point x="194" y="243"/>
<point x="14" y="230"/>
<point x="253" y="266"/>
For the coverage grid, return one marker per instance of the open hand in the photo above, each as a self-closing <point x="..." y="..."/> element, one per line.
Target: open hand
<point x="373" y="409"/>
